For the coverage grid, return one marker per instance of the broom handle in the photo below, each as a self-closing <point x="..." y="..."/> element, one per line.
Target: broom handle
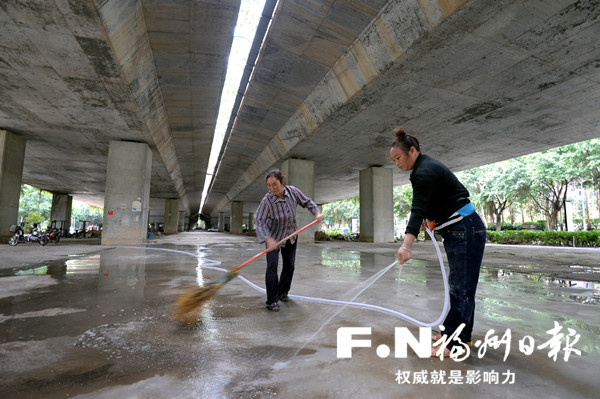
<point x="252" y="259"/>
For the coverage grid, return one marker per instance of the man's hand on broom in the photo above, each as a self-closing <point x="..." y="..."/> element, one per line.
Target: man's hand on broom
<point x="272" y="244"/>
<point x="319" y="217"/>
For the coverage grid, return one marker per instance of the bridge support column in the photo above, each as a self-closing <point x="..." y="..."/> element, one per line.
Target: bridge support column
<point x="221" y="222"/>
<point x="181" y="221"/>
<point x="62" y="207"/>
<point x="251" y="221"/>
<point x="171" y="215"/>
<point x="376" y="205"/>
<point x="127" y="194"/>
<point x="237" y="217"/>
<point x="12" y="155"/>
<point x="300" y="173"/>
<point x="194" y="222"/>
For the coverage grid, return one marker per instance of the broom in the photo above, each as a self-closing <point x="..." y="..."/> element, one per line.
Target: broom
<point x="190" y="302"/>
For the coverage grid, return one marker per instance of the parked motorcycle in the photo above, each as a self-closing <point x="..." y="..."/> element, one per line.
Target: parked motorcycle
<point x="17" y="237"/>
<point x="20" y="237"/>
<point x="53" y="236"/>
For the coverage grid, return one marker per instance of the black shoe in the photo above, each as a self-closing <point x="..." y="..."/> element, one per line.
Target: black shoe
<point x="273" y="307"/>
<point x="284" y="298"/>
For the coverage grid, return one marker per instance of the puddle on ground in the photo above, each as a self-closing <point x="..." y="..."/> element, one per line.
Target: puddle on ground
<point x="544" y="285"/>
<point x="116" y="305"/>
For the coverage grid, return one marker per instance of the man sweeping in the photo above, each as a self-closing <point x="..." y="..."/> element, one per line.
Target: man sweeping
<point x="275" y="219"/>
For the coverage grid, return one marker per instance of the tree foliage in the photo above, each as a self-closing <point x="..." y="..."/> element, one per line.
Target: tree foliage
<point x="34" y="200"/>
<point x="589" y="166"/>
<point x="550" y="173"/>
<point x="495" y="187"/>
<point x="339" y="213"/>
<point x="537" y="184"/>
<point x="83" y="212"/>
<point x="35" y="206"/>
<point x="33" y="218"/>
<point x="402" y="201"/>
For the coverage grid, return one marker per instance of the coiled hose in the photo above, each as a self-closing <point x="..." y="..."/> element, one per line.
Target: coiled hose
<point x="212" y="264"/>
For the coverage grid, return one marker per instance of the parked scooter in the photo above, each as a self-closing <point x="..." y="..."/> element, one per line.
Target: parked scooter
<point x="38" y="237"/>
<point x="53" y="235"/>
<point x="20" y="237"/>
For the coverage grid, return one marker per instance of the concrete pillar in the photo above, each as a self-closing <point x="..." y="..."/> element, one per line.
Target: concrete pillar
<point x="376" y="205"/>
<point x="181" y="220"/>
<point x="301" y="174"/>
<point x="12" y="154"/>
<point x="251" y="221"/>
<point x="221" y="223"/>
<point x="193" y="221"/>
<point x="237" y="217"/>
<point x="127" y="193"/>
<point x="171" y="215"/>
<point x="62" y="207"/>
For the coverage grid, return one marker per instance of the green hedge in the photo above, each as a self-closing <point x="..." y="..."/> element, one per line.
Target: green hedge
<point x="578" y="224"/>
<point x="539" y="225"/>
<point x="553" y="238"/>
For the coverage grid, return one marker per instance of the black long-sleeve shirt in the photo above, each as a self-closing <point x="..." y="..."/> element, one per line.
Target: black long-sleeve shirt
<point x="437" y="193"/>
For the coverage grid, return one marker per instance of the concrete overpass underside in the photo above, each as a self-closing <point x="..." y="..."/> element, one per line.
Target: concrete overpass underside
<point x="476" y="82"/>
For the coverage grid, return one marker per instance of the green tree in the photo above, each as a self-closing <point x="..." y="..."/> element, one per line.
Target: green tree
<point x="550" y="173"/>
<point x="34" y="200"/>
<point x="83" y="212"/>
<point x="495" y="187"/>
<point x="340" y="212"/>
<point x="33" y="217"/>
<point x="588" y="161"/>
<point x="403" y="196"/>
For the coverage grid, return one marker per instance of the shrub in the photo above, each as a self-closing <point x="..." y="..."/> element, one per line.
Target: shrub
<point x="33" y="217"/>
<point x="337" y="234"/>
<point x="539" y="225"/>
<point x="551" y="238"/>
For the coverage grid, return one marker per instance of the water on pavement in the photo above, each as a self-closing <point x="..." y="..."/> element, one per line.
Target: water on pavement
<point x="100" y="326"/>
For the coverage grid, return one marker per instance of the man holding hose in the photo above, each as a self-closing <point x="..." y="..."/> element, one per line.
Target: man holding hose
<point x="275" y="219"/>
<point x="443" y="202"/>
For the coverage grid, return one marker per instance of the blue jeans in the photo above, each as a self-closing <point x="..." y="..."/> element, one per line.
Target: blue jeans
<point x="278" y="286"/>
<point x="464" y="243"/>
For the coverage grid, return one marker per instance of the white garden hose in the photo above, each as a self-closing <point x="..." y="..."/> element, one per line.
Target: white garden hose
<point x="211" y="264"/>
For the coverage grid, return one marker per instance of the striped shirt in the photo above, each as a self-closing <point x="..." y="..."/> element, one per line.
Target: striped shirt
<point x="276" y="217"/>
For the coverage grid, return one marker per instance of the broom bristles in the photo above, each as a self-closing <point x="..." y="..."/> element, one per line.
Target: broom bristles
<point x="191" y="301"/>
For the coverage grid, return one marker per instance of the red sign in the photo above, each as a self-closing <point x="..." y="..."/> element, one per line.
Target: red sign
<point x="110" y="213"/>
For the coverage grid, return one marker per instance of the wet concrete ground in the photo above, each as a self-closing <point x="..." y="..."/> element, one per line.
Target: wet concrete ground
<point x="82" y="320"/>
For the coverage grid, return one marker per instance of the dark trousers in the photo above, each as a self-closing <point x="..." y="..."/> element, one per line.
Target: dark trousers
<point x="464" y="243"/>
<point x="278" y="286"/>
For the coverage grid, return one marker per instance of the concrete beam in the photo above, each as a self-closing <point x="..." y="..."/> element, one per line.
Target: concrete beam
<point x="127" y="32"/>
<point x="383" y="42"/>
